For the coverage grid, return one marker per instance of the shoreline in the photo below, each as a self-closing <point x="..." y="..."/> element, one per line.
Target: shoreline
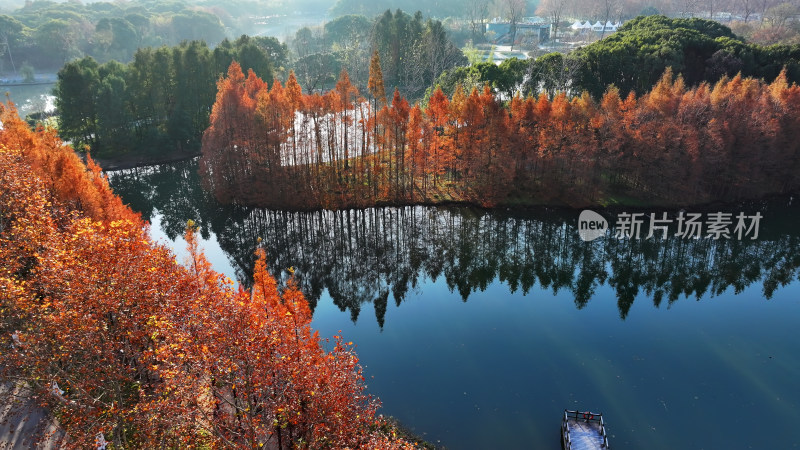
<point x="138" y="161"/>
<point x="23" y="83"/>
<point x="538" y="207"/>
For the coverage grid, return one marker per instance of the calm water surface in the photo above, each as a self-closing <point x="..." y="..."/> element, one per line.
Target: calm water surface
<point x="477" y="329"/>
<point x="30" y="98"/>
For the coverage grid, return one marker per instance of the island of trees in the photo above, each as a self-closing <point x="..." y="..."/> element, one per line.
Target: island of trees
<point x="674" y="145"/>
<point x="181" y="359"/>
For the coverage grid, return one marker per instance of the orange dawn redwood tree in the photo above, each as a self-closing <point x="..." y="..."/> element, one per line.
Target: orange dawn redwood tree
<point x="674" y="145"/>
<point x="112" y="335"/>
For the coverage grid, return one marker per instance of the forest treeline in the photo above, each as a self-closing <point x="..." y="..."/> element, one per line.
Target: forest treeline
<point x="160" y="102"/>
<point x="157" y="103"/>
<point x="47" y="34"/>
<point x="108" y="333"/>
<point x="414" y="51"/>
<point x="700" y="50"/>
<point x="279" y="147"/>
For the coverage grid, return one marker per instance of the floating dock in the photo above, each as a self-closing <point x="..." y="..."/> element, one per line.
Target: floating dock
<point x="583" y="430"/>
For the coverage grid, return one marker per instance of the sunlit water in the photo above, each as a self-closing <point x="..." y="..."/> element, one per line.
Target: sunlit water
<point x="29" y="98"/>
<point x="472" y="362"/>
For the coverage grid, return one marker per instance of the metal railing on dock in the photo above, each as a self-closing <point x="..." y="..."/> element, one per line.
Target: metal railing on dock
<point x="592" y="431"/>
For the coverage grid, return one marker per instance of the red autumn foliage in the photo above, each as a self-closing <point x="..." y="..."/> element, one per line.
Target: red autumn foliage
<point x="112" y="335"/>
<point x="672" y="146"/>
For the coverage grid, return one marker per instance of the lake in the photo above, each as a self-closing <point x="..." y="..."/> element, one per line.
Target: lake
<point x="478" y="328"/>
<point x="30" y="98"/>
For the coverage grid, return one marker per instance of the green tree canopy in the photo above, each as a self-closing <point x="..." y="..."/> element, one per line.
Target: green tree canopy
<point x="507" y="78"/>
<point x="634" y="58"/>
<point x="159" y="101"/>
<point x="197" y="25"/>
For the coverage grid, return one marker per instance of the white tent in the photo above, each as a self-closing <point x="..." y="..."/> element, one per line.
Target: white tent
<point x="597" y="26"/>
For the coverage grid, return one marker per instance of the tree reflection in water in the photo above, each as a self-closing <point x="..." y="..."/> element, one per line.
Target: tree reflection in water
<point x="372" y="255"/>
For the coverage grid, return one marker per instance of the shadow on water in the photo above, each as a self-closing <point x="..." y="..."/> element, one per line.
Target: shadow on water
<point x="377" y="255"/>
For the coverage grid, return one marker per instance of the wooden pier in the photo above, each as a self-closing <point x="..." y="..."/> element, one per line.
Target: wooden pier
<point x="583" y="430"/>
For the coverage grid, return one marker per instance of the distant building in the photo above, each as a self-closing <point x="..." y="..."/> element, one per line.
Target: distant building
<point x="529" y="30"/>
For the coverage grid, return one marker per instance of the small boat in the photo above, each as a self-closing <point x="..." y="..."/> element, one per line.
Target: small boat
<point x="583" y="430"/>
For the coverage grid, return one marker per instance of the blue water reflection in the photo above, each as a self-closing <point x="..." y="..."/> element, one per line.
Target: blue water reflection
<point x="477" y="329"/>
